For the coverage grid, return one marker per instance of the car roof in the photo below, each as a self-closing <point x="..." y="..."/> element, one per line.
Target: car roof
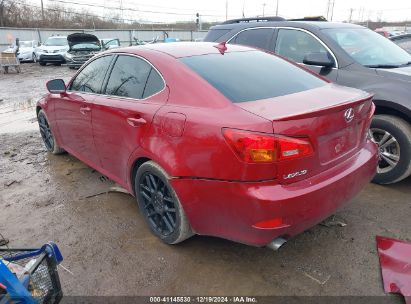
<point x="302" y="24"/>
<point x="184" y="49"/>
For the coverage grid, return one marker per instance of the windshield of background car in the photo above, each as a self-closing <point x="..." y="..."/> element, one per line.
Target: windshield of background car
<point x="86" y="46"/>
<point x="26" y="44"/>
<point x="252" y="75"/>
<point x="369" y="48"/>
<point x="53" y="41"/>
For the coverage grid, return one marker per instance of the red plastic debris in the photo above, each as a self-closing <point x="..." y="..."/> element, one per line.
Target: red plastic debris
<point x="395" y="261"/>
<point x="221" y="47"/>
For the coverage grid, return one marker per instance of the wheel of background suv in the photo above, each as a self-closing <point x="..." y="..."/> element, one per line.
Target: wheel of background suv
<point x="34" y="57"/>
<point x="393" y="137"/>
<point x="160" y="205"/>
<point x="47" y="134"/>
<point x="42" y="63"/>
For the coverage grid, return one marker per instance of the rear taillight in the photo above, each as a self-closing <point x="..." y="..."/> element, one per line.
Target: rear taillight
<point x="264" y="148"/>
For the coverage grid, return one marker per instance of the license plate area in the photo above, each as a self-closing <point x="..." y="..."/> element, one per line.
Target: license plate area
<point x="334" y="146"/>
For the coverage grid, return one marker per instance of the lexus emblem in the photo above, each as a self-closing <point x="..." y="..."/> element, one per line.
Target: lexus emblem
<point x="349" y="115"/>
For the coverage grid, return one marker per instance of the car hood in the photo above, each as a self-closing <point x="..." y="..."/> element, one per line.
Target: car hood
<point x="403" y="73"/>
<point x="25" y="49"/>
<point x="79" y="38"/>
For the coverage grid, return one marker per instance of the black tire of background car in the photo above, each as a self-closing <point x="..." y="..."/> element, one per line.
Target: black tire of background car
<point x="401" y="130"/>
<point x="53" y="147"/>
<point x="182" y="229"/>
<point x="42" y="63"/>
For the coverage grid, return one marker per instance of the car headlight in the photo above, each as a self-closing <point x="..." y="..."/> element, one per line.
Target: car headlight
<point x="62" y="50"/>
<point x="68" y="55"/>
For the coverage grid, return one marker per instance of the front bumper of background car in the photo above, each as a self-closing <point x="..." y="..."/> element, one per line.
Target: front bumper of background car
<point x="51" y="57"/>
<point x="25" y="56"/>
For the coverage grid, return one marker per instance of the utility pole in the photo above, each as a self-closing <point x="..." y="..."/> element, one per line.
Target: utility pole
<point x="121" y="14"/>
<point x="198" y="22"/>
<point x="226" y="10"/>
<point x="276" y="10"/>
<point x="350" y="17"/>
<point x="42" y="10"/>
<point x="264" y="8"/>
<point x="328" y="9"/>
<point x="332" y="9"/>
<point x="243" y="9"/>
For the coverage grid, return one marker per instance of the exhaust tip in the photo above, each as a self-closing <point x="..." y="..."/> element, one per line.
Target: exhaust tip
<point x="277" y="243"/>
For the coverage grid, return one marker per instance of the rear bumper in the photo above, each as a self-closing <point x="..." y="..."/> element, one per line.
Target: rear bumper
<point x="230" y="209"/>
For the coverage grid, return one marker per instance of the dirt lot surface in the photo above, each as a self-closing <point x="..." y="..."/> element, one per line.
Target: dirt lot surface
<point x="108" y="249"/>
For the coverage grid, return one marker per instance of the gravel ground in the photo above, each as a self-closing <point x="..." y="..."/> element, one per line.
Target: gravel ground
<point x="108" y="249"/>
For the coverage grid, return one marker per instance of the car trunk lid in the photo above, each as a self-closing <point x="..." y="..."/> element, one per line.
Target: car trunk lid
<point x="333" y="119"/>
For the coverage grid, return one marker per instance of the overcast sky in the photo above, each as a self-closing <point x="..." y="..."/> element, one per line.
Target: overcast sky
<point x="215" y="10"/>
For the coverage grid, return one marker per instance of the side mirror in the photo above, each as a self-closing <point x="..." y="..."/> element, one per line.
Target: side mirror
<point x="320" y="59"/>
<point x="56" y="86"/>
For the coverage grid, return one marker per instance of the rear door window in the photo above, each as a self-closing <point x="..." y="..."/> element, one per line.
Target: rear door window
<point x="295" y="44"/>
<point x="128" y="77"/>
<point x="90" y="79"/>
<point x="259" y="38"/>
<point x="252" y="75"/>
<point x="214" y="34"/>
<point x="154" y="84"/>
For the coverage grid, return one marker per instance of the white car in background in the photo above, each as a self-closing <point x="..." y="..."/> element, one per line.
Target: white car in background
<point x="53" y="50"/>
<point x="27" y="50"/>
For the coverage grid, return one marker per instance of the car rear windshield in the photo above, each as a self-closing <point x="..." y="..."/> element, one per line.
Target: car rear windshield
<point x="252" y="75"/>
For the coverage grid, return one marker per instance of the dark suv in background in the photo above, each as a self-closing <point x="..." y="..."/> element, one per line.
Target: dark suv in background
<point x="349" y="55"/>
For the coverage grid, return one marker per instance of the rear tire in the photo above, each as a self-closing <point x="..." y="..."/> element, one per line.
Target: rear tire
<point x="42" y="63"/>
<point x="47" y="134"/>
<point x="393" y="137"/>
<point x="160" y="205"/>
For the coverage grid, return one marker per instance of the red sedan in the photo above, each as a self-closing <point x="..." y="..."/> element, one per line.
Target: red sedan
<point x="214" y="140"/>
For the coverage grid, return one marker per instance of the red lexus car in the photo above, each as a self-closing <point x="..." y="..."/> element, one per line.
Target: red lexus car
<point x="216" y="140"/>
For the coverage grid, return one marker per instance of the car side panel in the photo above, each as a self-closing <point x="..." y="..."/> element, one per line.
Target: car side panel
<point x="201" y="151"/>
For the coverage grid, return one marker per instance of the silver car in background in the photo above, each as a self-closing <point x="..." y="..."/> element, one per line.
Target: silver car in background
<point x="52" y="51"/>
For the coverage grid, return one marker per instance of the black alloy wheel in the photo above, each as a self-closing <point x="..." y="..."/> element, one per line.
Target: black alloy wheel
<point x="159" y="206"/>
<point x="45" y="132"/>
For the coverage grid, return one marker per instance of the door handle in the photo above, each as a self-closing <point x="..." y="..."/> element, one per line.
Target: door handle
<point x="135" y="122"/>
<point x="84" y="110"/>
